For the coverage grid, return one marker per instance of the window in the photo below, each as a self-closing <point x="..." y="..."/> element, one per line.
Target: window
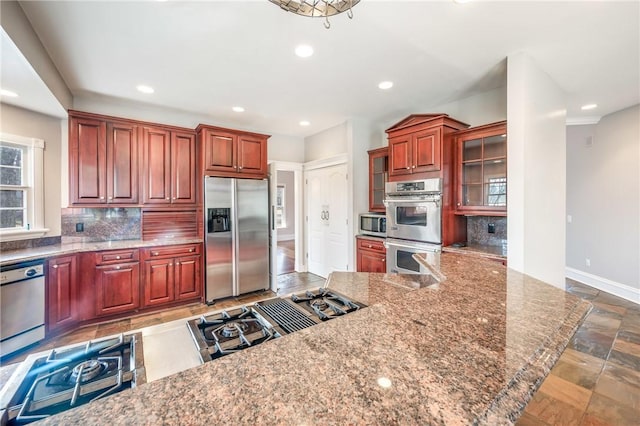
<point x="21" y="187"/>
<point x="281" y="220"/>
<point x="497" y="192"/>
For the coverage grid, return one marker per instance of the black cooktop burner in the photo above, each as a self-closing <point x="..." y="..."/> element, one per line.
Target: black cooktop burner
<point x="325" y="304"/>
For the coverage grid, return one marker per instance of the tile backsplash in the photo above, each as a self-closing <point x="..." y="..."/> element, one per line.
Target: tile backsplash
<point x="27" y="244"/>
<point x="101" y="224"/>
<point x="477" y="230"/>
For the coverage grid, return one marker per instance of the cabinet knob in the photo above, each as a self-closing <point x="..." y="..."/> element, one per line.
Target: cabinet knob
<point x="408" y="167"/>
<point x="118" y="267"/>
<point x="174" y="198"/>
<point x="111" y="198"/>
<point x="55" y="266"/>
<point x="155" y="253"/>
<point x="369" y="246"/>
<point x="384" y="260"/>
<point x="190" y="250"/>
<point x="458" y="204"/>
<point x="167" y="198"/>
<point x="240" y="167"/>
<point x="102" y="198"/>
<point x="414" y="166"/>
<point x="118" y="257"/>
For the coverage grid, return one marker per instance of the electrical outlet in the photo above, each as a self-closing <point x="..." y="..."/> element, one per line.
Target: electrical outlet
<point x="80" y="227"/>
<point x="569" y="218"/>
<point x="491" y="228"/>
<point x="587" y="262"/>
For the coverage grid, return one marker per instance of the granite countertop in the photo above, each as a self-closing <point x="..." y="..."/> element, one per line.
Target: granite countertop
<point x="23" y="255"/>
<point x="481" y="250"/>
<point x="471" y="349"/>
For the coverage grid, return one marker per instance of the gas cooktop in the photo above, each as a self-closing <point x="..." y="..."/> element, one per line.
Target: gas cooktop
<point x="226" y="332"/>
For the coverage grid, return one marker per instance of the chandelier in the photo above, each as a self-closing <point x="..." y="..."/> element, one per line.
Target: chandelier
<point x="318" y="8"/>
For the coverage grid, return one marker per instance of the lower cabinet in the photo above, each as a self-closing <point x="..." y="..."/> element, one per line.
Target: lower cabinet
<point x="62" y="292"/>
<point x="372" y="255"/>
<point x="117" y="288"/>
<point x="171" y="273"/>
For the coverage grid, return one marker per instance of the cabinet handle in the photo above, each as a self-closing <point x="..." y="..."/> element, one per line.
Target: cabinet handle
<point x="55" y="266"/>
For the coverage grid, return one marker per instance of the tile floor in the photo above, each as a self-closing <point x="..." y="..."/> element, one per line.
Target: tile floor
<point x="596" y="381"/>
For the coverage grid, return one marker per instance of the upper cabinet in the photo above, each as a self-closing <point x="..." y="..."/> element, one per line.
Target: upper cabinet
<point x="231" y="153"/>
<point x="416" y="145"/>
<point x="481" y="170"/>
<point x="378" y="173"/>
<point x="103" y="166"/>
<point x="169" y="167"/>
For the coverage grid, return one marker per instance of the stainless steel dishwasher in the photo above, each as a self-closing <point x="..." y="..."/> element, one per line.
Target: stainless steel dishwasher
<point x="22" y="304"/>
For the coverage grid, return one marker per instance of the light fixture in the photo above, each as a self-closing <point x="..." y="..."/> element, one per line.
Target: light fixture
<point x="318" y="8"/>
<point x="384" y="85"/>
<point x="145" y="89"/>
<point x="304" y="123"/>
<point x="589" y="106"/>
<point x="8" y="93"/>
<point x="238" y="109"/>
<point x="304" y="50"/>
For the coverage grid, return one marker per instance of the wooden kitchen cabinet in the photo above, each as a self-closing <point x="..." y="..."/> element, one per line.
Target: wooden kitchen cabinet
<point x="117" y="282"/>
<point x="371" y="255"/>
<point x="62" y="294"/>
<point x="481" y="170"/>
<point x="416" y="148"/>
<point x="169" y="167"/>
<point x="171" y="273"/>
<point x="103" y="161"/>
<point x="232" y="153"/>
<point x="378" y="173"/>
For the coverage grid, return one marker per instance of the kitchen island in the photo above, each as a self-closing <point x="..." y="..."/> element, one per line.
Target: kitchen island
<point x="471" y="349"/>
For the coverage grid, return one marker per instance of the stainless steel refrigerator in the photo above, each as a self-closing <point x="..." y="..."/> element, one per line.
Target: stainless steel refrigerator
<point x="237" y="236"/>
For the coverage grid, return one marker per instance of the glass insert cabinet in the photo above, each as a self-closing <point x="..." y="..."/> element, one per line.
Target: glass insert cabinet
<point x="481" y="174"/>
<point x="378" y="176"/>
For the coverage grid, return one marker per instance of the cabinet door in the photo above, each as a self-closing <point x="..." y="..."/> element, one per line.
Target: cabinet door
<point x="183" y="168"/>
<point x="117" y="288"/>
<point x="122" y="163"/>
<point x="400" y="158"/>
<point x="220" y="151"/>
<point x="61" y="293"/>
<point x="378" y="168"/>
<point x="87" y="161"/>
<point x="371" y="261"/>
<point x="187" y="277"/>
<point x="159" y="282"/>
<point x="426" y="151"/>
<point x="156" y="160"/>
<point x="252" y="155"/>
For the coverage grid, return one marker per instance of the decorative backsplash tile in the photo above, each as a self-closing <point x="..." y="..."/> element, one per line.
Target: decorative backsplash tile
<point x="101" y="224"/>
<point x="27" y="244"/>
<point x="478" y="226"/>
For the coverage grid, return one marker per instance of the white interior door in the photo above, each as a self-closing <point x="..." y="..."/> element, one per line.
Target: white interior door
<point x="327" y="219"/>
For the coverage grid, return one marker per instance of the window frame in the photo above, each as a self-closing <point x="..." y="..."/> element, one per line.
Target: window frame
<point x="33" y="185"/>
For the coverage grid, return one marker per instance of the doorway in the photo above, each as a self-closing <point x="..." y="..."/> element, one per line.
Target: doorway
<point x="285" y="221"/>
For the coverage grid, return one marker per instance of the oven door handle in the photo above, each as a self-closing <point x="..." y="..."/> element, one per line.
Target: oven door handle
<point x="388" y="201"/>
<point x="431" y="250"/>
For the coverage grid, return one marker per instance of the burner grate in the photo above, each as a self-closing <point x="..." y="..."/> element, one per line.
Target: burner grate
<point x="288" y="317"/>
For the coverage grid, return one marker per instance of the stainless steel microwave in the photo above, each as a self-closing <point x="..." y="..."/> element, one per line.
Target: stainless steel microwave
<point x="373" y="224"/>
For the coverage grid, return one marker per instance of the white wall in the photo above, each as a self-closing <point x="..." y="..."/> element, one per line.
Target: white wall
<point x="536" y="161"/>
<point x="603" y="200"/>
<point x="22" y="122"/>
<point x="285" y="148"/>
<point x="328" y="143"/>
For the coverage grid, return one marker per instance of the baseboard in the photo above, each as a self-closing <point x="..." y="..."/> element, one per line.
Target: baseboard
<point x="288" y="237"/>
<point x="617" y="289"/>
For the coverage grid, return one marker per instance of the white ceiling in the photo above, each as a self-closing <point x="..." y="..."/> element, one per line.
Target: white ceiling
<point x="205" y="57"/>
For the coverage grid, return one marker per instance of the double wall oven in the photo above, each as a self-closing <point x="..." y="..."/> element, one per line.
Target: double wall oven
<point x="414" y="224"/>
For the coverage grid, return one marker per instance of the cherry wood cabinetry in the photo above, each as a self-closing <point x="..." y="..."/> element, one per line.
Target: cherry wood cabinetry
<point x="103" y="167"/>
<point x="371" y="254"/>
<point x="229" y="152"/>
<point x="481" y="170"/>
<point x="171" y="273"/>
<point x="169" y="167"/>
<point x="117" y="282"/>
<point x="378" y="174"/>
<point x="62" y="294"/>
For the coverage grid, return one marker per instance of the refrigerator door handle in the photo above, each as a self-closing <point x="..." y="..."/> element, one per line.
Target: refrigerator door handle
<point x="273" y="218"/>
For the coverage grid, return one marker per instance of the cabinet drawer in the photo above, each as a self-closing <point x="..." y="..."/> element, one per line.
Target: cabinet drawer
<point x="170" y="251"/>
<point x="116" y="256"/>
<point x="373" y="245"/>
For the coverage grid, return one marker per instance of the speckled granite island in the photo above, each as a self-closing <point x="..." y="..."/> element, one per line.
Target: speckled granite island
<point x="471" y="349"/>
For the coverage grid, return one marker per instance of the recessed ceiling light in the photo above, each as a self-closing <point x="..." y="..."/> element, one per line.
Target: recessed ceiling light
<point x="144" y="89"/>
<point x="589" y="106"/>
<point x="384" y="85"/>
<point x="461" y="1"/>
<point x="8" y="93"/>
<point x="304" y="123"/>
<point x="238" y="109"/>
<point x="304" y="50"/>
